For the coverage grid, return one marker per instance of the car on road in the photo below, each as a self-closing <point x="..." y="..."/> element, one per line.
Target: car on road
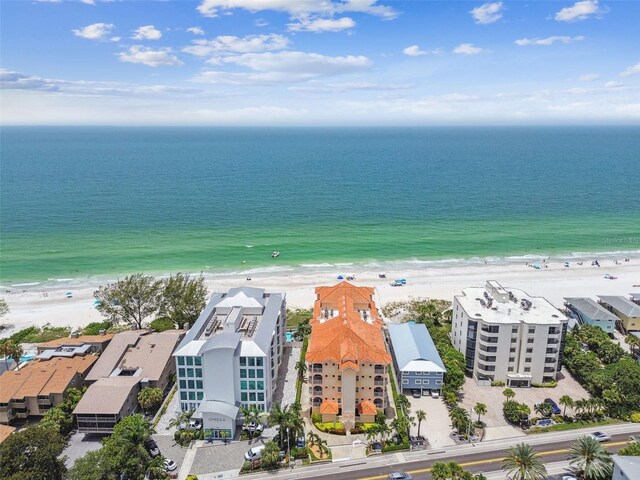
<point x="601" y="436"/>
<point x="554" y="406"/>
<point x="170" y="465"/>
<point x="400" y="476"/>
<point x="415" y="393"/>
<point x="152" y="448"/>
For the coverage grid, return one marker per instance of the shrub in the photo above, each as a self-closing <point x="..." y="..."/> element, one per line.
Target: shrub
<point x="514" y="411"/>
<point x="162" y="324"/>
<point x="558" y="418"/>
<point x="635" y="417"/>
<point x="192" y="477"/>
<point x="316" y="418"/>
<point x="299" y="452"/>
<point x="94" y="328"/>
<point x="497" y="383"/>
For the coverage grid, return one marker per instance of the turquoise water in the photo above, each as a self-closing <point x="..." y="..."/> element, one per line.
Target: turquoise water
<point x="78" y="202"/>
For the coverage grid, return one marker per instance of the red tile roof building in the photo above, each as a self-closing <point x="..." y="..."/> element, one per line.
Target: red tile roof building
<point x="347" y="355"/>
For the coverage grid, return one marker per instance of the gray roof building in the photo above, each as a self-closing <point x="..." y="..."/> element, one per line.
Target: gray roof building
<point x="591" y="308"/>
<point x="413" y="348"/>
<point x="625" y="467"/>
<point x="622" y="305"/>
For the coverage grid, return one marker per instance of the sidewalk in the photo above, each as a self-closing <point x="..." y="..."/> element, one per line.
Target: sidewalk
<point x="444" y="454"/>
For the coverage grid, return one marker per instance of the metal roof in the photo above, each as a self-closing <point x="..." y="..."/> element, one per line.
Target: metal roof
<point x="591" y="309"/>
<point x="217" y="406"/>
<point x="622" y="304"/>
<point x="414" y="349"/>
<point x="629" y="465"/>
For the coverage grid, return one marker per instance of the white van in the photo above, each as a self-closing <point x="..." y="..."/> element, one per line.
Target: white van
<point x="254" y="453"/>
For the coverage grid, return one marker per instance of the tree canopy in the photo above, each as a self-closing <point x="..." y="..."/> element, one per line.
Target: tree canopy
<point x="33" y="453"/>
<point x="183" y="298"/>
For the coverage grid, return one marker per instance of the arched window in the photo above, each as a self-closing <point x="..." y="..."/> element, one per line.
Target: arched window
<point x="317" y="401"/>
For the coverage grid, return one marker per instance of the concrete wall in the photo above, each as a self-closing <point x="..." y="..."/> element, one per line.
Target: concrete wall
<point x="219" y="371"/>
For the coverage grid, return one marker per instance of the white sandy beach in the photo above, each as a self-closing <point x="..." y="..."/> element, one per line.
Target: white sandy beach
<point x="38" y="307"/>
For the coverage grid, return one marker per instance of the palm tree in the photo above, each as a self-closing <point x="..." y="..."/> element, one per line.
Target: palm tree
<point x="566" y="401"/>
<point x="633" y="342"/>
<point x="544" y="409"/>
<point x="522" y="463"/>
<point x="312" y="437"/>
<point x="589" y="459"/>
<point x="384" y="430"/>
<point x="440" y="471"/>
<point x="420" y="416"/>
<point x="301" y="367"/>
<point x="372" y="432"/>
<point x="480" y="409"/>
<point x="16" y="352"/>
<point x="270" y="454"/>
<point x="181" y="418"/>
<point x="251" y="415"/>
<point x="6" y="347"/>
<point x="579" y="406"/>
<point x="459" y="419"/>
<point x="507" y="392"/>
<point x="322" y="444"/>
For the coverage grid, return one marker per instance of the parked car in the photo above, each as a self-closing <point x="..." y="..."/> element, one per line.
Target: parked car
<point x="544" y="422"/>
<point x="152" y="447"/>
<point x="254" y="427"/>
<point x="601" y="436"/>
<point x="400" y="476"/>
<point x="554" y="406"/>
<point x="435" y="393"/>
<point x="569" y="477"/>
<point x="195" y="424"/>
<point x="416" y="393"/>
<point x="170" y="465"/>
<point x="396" y="284"/>
<point x="417" y="440"/>
<point x="254" y="453"/>
<point x="425" y="392"/>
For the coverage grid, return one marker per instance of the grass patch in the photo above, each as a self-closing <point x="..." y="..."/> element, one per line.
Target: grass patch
<point x="560" y="427"/>
<point x="39" y="335"/>
<point x="303" y="353"/>
<point x="297" y="316"/>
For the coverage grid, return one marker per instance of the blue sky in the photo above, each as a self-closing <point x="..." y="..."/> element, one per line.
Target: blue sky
<point x="319" y="62"/>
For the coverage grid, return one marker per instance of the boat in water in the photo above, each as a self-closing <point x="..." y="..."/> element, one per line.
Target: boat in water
<point x="275" y="254"/>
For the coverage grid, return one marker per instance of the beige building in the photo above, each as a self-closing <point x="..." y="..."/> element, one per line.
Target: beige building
<point x="41" y="385"/>
<point x="132" y="361"/>
<point x="347" y="358"/>
<point x="96" y="343"/>
<point x="627" y="311"/>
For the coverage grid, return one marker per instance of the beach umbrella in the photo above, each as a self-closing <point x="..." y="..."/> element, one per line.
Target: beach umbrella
<point x="340" y="277"/>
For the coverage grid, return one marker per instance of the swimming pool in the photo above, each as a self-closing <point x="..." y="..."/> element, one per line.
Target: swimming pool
<point x="288" y="336"/>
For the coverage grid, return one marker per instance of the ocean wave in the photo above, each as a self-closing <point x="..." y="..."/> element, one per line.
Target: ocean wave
<point x="317" y="265"/>
<point x="28" y="284"/>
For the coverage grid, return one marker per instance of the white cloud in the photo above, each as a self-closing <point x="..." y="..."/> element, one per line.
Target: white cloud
<point x="588" y="77"/>
<point x="414" y="51"/>
<point x="350" y="86"/>
<point x="229" y="44"/>
<point x="299" y="8"/>
<point x="579" y="11"/>
<point x="487" y="13"/>
<point x="195" y="30"/>
<point x="548" y="41"/>
<point x="318" y="25"/>
<point x="147" y="32"/>
<point x="88" y="2"/>
<point x="467" y="49"/>
<point x="613" y="85"/>
<point x="632" y="70"/>
<point x="282" y="67"/>
<point x="149" y="56"/>
<point x="261" y="22"/>
<point x="95" y="31"/>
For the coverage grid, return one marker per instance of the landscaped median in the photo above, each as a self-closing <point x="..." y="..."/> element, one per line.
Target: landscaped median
<point x="299" y="382"/>
<point x="559" y="427"/>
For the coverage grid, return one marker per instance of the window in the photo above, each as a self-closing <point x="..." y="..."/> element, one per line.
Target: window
<point x="438" y="382"/>
<point x="190" y="361"/>
<point x="512" y="359"/>
<point x="192" y="384"/>
<point x="252" y="362"/>
<point x="514" y="329"/>
<point x="183" y="384"/>
<point x="260" y="397"/>
<point x="260" y="385"/>
<point x="252" y="385"/>
<point x="260" y="373"/>
<point x="183" y="395"/>
<point x="532" y="330"/>
<point x="192" y="395"/>
<point x="530" y="340"/>
<point x="243" y="361"/>
<point x="197" y="361"/>
<point x="530" y="350"/>
<point x="180" y="360"/>
<point x="259" y="362"/>
<point x="190" y="372"/>
<point x="252" y="396"/>
<point x="199" y="384"/>
<point x="199" y="372"/>
<point x="527" y="369"/>
<point x="339" y="378"/>
<point x="243" y="385"/>
<point x="243" y="396"/>
<point x="418" y="382"/>
<point x="510" y="369"/>
<point x="199" y="395"/>
<point x="181" y="372"/>
<point x="405" y="381"/>
<point x="512" y="350"/>
<point x="339" y="389"/>
<point x="252" y="373"/>
<point x="243" y="373"/>
<point x="527" y="360"/>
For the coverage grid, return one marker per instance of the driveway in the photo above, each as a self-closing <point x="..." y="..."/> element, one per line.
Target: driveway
<point x="79" y="445"/>
<point x="218" y="457"/>
<point x="170" y="449"/>
<point x="437" y="426"/>
<point x="497" y="425"/>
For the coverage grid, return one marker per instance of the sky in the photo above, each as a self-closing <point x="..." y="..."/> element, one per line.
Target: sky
<point x="319" y="62"/>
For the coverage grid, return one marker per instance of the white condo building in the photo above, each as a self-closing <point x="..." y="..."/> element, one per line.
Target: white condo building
<point x="507" y="335"/>
<point x="230" y="357"/>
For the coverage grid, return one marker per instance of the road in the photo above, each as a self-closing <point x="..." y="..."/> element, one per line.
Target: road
<point x="474" y="462"/>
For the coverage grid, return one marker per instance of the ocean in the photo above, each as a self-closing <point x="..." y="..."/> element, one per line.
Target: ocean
<point x="79" y="202"/>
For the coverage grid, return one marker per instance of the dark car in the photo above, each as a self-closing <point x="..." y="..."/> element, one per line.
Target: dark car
<point x="152" y="448"/>
<point x="416" y="393"/>
<point x="554" y="406"/>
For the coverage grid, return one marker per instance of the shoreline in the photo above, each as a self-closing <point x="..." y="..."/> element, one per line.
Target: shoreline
<point x="40" y="304"/>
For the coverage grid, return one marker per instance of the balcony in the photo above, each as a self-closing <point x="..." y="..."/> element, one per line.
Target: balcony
<point x="379" y="370"/>
<point x="44" y="401"/>
<point x="316" y="370"/>
<point x="379" y="383"/>
<point x="549" y="370"/>
<point x="553" y="341"/>
<point x="21" y="413"/>
<point x="485" y="339"/>
<point x="550" y="360"/>
<point x="21" y="403"/>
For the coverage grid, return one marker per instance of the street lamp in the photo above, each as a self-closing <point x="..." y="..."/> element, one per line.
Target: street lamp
<point x="288" y="448"/>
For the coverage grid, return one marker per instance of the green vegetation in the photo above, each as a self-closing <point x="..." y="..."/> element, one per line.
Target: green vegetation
<point x="289" y="422"/>
<point x="162" y="324"/>
<point x="522" y="463"/>
<point x="4" y="307"/>
<point x="560" y="427"/>
<point x="589" y="460"/>
<point x="514" y="412"/>
<point x="39" y="335"/>
<point x="632" y="449"/>
<point x="606" y="372"/>
<point x="136" y="298"/>
<point x="33" y="453"/>
<point x="94" y="328"/>
<point x="121" y="453"/>
<point x="150" y="398"/>
<point x="60" y="418"/>
<point x="300" y="381"/>
<point x="452" y="471"/>
<point x="297" y="317"/>
<point x="165" y="405"/>
<point x="402" y="412"/>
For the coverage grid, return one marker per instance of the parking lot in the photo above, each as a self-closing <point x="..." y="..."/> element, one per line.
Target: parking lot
<point x="170" y="449"/>
<point x="497" y="425"/>
<point x="218" y="457"/>
<point x="437" y="426"/>
<point x="79" y="445"/>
